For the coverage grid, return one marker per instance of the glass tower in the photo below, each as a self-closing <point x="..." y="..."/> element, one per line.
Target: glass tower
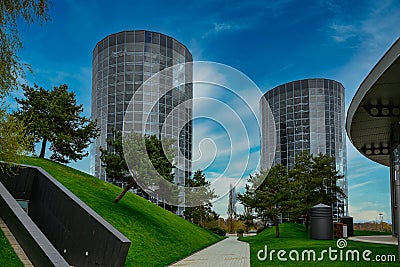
<point x="121" y="63"/>
<point x="309" y="116"/>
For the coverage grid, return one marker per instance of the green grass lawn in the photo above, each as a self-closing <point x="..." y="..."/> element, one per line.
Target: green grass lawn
<point x="158" y="237"/>
<point x="7" y="254"/>
<point x="293" y="237"/>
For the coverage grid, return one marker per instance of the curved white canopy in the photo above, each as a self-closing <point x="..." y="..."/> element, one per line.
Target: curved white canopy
<point x="374" y="112"/>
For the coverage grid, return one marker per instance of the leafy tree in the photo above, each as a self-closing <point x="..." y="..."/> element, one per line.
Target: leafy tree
<point x="161" y="155"/>
<point x="12" y="132"/>
<point x="140" y="171"/>
<point x="55" y="117"/>
<point x="273" y="197"/>
<point x="12" y="12"/>
<point x="315" y="181"/>
<point x="113" y="158"/>
<point x="247" y="219"/>
<point x="160" y="159"/>
<point x="12" y="140"/>
<point x="205" y="194"/>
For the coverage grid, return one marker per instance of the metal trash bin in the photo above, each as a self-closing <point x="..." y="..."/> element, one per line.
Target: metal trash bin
<point x="349" y="222"/>
<point x="321" y="222"/>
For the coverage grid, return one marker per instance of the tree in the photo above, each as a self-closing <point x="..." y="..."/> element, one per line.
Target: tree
<point x="161" y="155"/>
<point x="315" y="181"/>
<point x="12" y="132"/>
<point x="12" y="140"/>
<point x="113" y="158"/>
<point x="55" y="117"/>
<point x="247" y="219"/>
<point x="11" y="12"/>
<point x="138" y="171"/>
<point x="203" y="212"/>
<point x="273" y="197"/>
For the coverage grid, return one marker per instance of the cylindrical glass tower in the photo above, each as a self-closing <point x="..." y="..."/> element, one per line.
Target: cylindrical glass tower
<point x="309" y="115"/>
<point x="121" y="63"/>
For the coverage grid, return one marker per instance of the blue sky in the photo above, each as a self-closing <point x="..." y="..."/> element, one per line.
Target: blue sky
<point x="272" y="42"/>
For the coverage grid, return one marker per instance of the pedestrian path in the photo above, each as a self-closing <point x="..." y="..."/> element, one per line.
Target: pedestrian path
<point x="228" y="252"/>
<point x="379" y="239"/>
<point x="15" y="245"/>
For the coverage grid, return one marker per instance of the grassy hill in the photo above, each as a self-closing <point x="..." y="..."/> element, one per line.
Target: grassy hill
<point x="293" y="237"/>
<point x="158" y="237"/>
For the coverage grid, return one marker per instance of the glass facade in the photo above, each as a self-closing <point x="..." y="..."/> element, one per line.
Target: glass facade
<point x="309" y="115"/>
<point x="121" y="63"/>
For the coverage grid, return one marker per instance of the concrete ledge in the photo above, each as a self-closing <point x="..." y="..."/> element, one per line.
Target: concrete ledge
<point x="377" y="239"/>
<point x="78" y="234"/>
<point x="15" y="245"/>
<point x="35" y="244"/>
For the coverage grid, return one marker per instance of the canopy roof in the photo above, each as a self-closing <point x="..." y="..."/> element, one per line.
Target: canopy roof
<point x="374" y="112"/>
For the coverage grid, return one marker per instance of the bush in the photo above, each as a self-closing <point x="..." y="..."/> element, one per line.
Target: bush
<point x="219" y="231"/>
<point x="260" y="229"/>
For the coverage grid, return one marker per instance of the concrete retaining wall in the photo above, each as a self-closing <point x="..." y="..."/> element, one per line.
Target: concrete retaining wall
<point x="79" y="234"/>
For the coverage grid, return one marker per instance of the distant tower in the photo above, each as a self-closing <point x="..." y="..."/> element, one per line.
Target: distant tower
<point x="121" y="63"/>
<point x="231" y="207"/>
<point x="309" y="115"/>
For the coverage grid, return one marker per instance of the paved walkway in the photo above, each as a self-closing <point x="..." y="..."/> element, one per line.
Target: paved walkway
<point x="379" y="239"/>
<point x="228" y="252"/>
<point x="15" y="245"/>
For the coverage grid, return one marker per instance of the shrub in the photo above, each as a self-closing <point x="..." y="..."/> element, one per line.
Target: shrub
<point x="260" y="229"/>
<point x="219" y="231"/>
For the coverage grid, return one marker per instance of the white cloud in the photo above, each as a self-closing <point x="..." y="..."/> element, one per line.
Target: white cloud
<point x="372" y="34"/>
<point x="227" y="26"/>
<point x="370" y="28"/>
<point x="369" y="212"/>
<point x="359" y="185"/>
<point x="219" y="27"/>
<point x="206" y="71"/>
<point x="78" y="81"/>
<point x="358" y="170"/>
<point x="332" y="6"/>
<point x="343" y="32"/>
<point x="226" y="134"/>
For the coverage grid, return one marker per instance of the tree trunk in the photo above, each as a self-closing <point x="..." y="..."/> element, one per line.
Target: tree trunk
<point x="126" y="189"/>
<point x="201" y="215"/>
<point x="275" y="219"/>
<point x="306" y="222"/>
<point x="43" y="149"/>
